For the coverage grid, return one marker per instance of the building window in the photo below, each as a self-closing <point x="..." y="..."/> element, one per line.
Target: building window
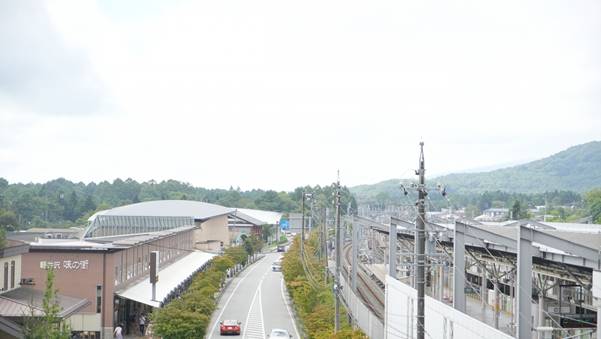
<point x="5" y="286"/>
<point x="98" y="298"/>
<point x="12" y="274"/>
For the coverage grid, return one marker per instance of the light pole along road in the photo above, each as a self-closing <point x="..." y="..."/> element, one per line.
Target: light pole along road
<point x="256" y="298"/>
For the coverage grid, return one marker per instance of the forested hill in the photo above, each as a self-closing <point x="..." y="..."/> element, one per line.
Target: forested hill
<point x="577" y="168"/>
<point x="61" y="202"/>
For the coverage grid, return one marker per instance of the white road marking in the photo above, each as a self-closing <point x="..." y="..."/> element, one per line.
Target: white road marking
<point x="227" y="302"/>
<point x="253" y="326"/>
<point x="261" y="307"/>
<point x="288" y="307"/>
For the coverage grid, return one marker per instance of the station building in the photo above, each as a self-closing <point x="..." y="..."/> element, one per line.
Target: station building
<point x="211" y="220"/>
<point x="108" y="267"/>
<point x="18" y="300"/>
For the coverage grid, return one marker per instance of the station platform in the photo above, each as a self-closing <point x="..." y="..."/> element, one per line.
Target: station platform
<point x="474" y="306"/>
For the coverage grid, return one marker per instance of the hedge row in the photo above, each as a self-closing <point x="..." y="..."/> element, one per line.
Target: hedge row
<point x="312" y="296"/>
<point x="189" y="315"/>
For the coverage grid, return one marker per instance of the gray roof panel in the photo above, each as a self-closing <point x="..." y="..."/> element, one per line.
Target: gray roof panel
<point x="169" y="208"/>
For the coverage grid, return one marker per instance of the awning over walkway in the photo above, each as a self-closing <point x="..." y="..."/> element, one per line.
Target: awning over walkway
<point x="170" y="278"/>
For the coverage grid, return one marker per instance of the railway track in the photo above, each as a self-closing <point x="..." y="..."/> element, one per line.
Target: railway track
<point x="369" y="288"/>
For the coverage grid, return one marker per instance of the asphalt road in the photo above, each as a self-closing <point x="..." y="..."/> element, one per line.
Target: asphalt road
<point x="256" y="298"/>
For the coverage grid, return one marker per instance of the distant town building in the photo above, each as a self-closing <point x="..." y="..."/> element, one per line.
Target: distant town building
<point x="295" y="222"/>
<point x="493" y="214"/>
<point x="250" y="221"/>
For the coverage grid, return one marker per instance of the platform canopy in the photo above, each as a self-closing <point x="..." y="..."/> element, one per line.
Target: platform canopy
<point x="171" y="278"/>
<point x="265" y="217"/>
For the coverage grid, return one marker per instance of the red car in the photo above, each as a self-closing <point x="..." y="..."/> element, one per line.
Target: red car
<point x="229" y="327"/>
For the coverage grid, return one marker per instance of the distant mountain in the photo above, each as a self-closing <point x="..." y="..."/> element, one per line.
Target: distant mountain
<point x="577" y="168"/>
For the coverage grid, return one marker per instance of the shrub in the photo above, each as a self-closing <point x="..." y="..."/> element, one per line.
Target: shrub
<point x="189" y="316"/>
<point x="312" y="296"/>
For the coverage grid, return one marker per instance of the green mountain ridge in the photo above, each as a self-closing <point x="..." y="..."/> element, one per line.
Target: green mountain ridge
<point x="577" y="168"/>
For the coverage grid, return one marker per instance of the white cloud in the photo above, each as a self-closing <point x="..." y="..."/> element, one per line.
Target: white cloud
<point x="275" y="94"/>
<point x="39" y="71"/>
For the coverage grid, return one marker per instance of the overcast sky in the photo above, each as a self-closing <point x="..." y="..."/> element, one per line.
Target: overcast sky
<point x="277" y="94"/>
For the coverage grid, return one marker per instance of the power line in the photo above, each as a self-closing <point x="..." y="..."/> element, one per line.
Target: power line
<point x="497" y="259"/>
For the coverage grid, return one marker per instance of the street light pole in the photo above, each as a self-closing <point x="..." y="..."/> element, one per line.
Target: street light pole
<point x="304" y="196"/>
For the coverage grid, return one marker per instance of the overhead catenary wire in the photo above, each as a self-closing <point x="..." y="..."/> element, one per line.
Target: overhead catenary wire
<point x="548" y="314"/>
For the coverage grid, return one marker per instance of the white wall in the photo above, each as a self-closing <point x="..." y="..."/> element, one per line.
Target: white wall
<point x="17" y="278"/>
<point x="214" y="229"/>
<point x="364" y="317"/>
<point x="442" y="321"/>
<point x="85" y="322"/>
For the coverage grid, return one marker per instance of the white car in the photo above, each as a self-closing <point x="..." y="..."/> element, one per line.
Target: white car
<point x="278" y="333"/>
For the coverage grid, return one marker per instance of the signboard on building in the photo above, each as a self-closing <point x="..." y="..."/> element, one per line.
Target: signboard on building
<point x="284" y="225"/>
<point x="72" y="265"/>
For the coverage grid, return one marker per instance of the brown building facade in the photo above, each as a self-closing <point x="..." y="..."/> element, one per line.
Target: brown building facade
<point x="98" y="269"/>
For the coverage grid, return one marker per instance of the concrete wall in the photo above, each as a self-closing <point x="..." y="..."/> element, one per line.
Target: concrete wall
<point x="213" y="230"/>
<point x="442" y="321"/>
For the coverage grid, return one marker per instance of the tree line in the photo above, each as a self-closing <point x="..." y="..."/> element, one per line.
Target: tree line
<point x="61" y="202"/>
<point x="560" y="206"/>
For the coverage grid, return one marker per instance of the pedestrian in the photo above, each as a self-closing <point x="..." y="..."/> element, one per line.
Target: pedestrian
<point x="142" y="323"/>
<point x="118" y="333"/>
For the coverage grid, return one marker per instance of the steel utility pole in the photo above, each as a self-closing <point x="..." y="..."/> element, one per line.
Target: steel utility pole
<point x="325" y="244"/>
<point x="337" y="278"/>
<point x="420" y="243"/>
<point x="355" y="240"/>
<point x="311" y="219"/>
<point x="302" y="243"/>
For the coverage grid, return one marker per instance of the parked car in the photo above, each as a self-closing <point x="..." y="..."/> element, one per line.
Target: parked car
<point x="229" y="327"/>
<point x="281" y="248"/>
<point x="278" y="333"/>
